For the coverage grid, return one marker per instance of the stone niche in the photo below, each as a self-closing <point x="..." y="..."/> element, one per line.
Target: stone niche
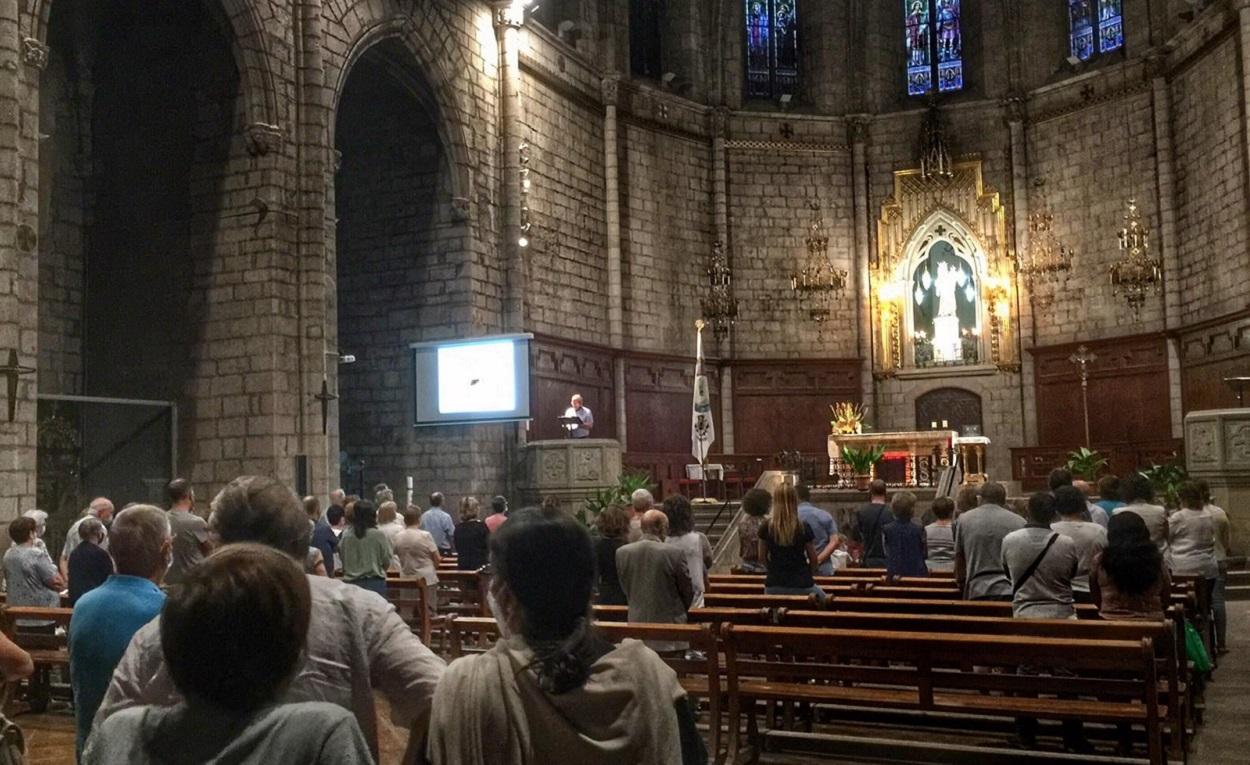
<point x="568" y="470"/>
<point x="1217" y="448"/>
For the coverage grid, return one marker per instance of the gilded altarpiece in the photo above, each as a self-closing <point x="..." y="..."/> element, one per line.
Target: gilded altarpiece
<point x="943" y="293"/>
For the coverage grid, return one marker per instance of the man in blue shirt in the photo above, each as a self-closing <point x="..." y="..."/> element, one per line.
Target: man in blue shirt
<point x="824" y="529"/>
<point x="106" y="618"/>
<point x="438" y="523"/>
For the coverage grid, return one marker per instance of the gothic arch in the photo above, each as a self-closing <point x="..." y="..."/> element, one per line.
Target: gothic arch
<point x="248" y="42"/>
<point x="956" y="406"/>
<point x="427" y="81"/>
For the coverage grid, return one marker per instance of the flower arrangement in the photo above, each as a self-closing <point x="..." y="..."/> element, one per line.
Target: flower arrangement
<point x="848" y="418"/>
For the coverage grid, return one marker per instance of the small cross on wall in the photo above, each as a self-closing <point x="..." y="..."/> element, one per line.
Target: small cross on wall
<point x="787" y="131"/>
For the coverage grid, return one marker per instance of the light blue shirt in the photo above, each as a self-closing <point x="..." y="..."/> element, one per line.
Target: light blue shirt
<point x="823" y="527"/>
<point x="439" y="524"/>
<point x="104" y="621"/>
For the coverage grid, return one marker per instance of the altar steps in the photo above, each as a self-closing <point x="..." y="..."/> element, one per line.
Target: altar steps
<point x="706" y="520"/>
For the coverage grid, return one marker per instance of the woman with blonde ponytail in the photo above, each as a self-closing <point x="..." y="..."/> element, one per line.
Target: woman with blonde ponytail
<point x="787" y="547"/>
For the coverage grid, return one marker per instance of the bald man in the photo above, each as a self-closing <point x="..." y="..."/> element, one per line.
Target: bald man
<point x="655" y="579"/>
<point x="101" y="508"/>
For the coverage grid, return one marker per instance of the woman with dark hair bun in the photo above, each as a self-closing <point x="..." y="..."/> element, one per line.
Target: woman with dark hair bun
<point x="1129" y="579"/>
<point x="551" y="689"/>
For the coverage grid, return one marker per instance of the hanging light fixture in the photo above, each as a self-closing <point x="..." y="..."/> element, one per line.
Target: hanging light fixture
<point x="720" y="307"/>
<point x="818" y="281"/>
<point x="1046" y="257"/>
<point x="1136" y="273"/>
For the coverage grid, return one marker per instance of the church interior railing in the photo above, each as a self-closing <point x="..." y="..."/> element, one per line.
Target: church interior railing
<point x="1031" y="465"/>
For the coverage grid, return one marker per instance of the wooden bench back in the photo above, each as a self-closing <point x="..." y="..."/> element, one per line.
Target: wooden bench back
<point x="411" y="598"/>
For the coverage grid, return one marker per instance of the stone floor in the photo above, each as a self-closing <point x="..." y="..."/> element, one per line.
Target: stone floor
<point x="1223" y="740"/>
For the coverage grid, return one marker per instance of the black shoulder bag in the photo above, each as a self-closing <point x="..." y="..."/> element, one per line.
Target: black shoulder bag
<point x="1028" y="572"/>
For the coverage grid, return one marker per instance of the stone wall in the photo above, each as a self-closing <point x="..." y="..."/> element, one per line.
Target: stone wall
<point x="268" y="291"/>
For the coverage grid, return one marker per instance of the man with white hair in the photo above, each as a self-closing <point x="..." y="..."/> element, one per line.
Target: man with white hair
<point x="41" y="527"/>
<point x="639" y="502"/>
<point x="100" y="508"/>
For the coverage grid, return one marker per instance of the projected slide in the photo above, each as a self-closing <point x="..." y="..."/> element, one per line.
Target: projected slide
<point x="477" y="378"/>
<point x="471" y="380"/>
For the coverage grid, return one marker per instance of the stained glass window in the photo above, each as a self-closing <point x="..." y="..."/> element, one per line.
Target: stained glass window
<point x="1110" y="25"/>
<point x="646" y="18"/>
<point x="1081" y="28"/>
<point x="934" y="44"/>
<point x="1095" y="26"/>
<point x="772" y="46"/>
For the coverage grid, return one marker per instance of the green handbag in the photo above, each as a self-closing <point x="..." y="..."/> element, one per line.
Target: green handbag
<point x="1196" y="650"/>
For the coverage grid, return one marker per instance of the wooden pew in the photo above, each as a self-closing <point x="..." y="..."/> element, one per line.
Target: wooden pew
<point x="863" y="589"/>
<point x="699" y="677"/>
<point x="50" y="650"/>
<point x="1167" y="636"/>
<point x="1112" y="681"/>
<point x="463" y="592"/>
<point x="411" y="598"/>
<point x="718" y="580"/>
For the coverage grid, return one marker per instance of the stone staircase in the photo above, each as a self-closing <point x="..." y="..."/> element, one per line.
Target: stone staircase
<point x="705" y="518"/>
<point x="1237" y="586"/>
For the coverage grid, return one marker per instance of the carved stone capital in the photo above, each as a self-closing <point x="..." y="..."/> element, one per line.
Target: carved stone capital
<point x="611" y="89"/>
<point x="509" y="14"/>
<point x="720" y="121"/>
<point x="1015" y="107"/>
<point x="857" y="128"/>
<point x="34" y="53"/>
<point x="263" y="139"/>
<point x="461" y="209"/>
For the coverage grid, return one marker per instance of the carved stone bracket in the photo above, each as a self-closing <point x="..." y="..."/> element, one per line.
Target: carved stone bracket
<point x="1015" y="107"/>
<point x="857" y="128"/>
<point x="461" y="209"/>
<point x="34" y="53"/>
<point x="611" y="89"/>
<point x="263" y="139"/>
<point x="720" y="121"/>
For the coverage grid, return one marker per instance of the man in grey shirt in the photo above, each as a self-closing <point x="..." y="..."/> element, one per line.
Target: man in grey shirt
<point x="1089" y="538"/>
<point x="189" y="531"/>
<point x="1041" y="564"/>
<point x="979" y="537"/>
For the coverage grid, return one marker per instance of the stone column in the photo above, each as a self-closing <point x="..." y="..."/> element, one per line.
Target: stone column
<point x="19" y="269"/>
<point x="720" y="213"/>
<point x="612" y="241"/>
<point x="509" y="16"/>
<point x="1166" y="174"/>
<point x="1016" y="117"/>
<point x="858" y="126"/>
<point x="1243" y="39"/>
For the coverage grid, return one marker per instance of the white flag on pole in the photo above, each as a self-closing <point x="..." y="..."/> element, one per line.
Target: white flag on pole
<point x="702" y="429"/>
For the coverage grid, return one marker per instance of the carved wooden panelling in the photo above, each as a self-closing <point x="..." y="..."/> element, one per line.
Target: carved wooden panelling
<point x="658" y="393"/>
<point x="784" y="405"/>
<point x="560" y="369"/>
<point x="1128" y="393"/>
<point x="1207" y="357"/>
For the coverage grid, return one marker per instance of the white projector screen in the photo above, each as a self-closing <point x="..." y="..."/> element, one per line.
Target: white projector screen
<point x="486" y="379"/>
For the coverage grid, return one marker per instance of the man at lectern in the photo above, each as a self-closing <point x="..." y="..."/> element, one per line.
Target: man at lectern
<point x="581" y="412"/>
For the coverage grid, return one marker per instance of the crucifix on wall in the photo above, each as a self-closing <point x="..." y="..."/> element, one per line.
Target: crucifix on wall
<point x="1083" y="358"/>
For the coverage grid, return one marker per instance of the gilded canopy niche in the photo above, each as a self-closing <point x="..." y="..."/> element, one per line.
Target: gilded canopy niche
<point x="942" y="277"/>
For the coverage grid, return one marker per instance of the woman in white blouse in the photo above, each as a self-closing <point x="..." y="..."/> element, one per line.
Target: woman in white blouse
<point x="1191" y="538"/>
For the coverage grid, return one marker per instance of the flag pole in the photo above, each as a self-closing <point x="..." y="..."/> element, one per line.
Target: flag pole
<point x="698" y="369"/>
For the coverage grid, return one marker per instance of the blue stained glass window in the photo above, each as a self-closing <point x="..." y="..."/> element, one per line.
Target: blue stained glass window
<point x="919" y="51"/>
<point x="772" y="48"/>
<point x="950" y="48"/>
<point x="1110" y="25"/>
<point x="1081" y="28"/>
<point x="934" y="45"/>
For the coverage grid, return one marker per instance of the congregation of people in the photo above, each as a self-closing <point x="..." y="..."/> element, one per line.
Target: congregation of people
<point x="263" y="632"/>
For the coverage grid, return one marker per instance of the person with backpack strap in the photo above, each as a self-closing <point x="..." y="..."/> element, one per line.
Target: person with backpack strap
<point x="1041" y="564"/>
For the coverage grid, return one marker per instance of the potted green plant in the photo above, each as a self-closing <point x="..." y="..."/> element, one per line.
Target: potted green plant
<point x="1166" y="479"/>
<point x="862" y="462"/>
<point x="1086" y="463"/>
<point x="620" y="494"/>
